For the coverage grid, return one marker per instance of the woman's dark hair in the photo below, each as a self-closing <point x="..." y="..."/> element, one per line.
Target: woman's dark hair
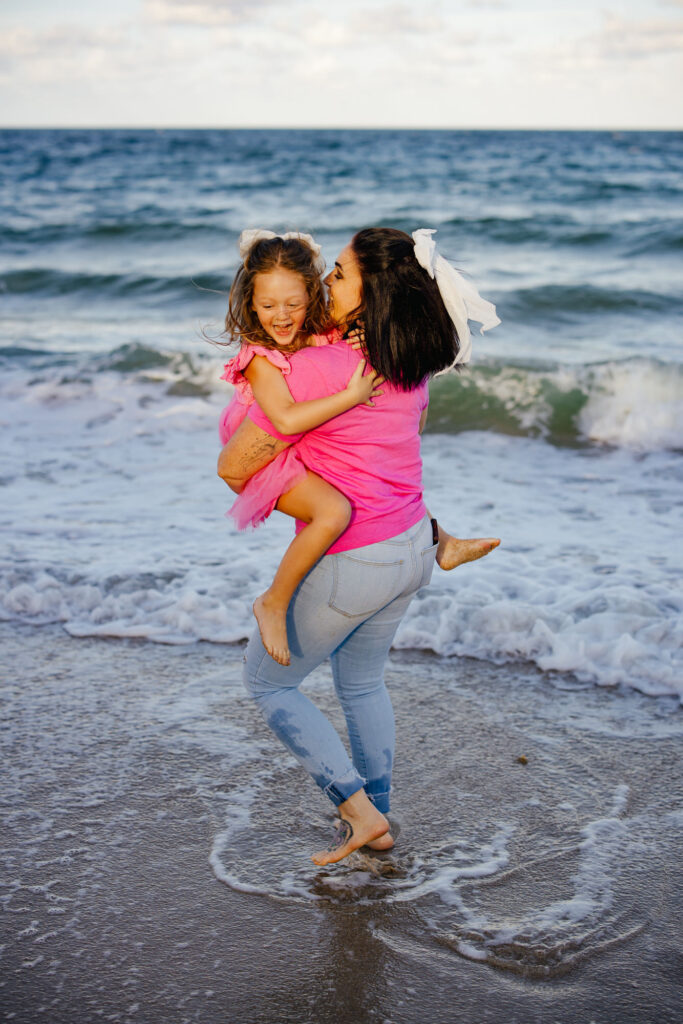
<point x="408" y="333"/>
<point x="265" y="255"/>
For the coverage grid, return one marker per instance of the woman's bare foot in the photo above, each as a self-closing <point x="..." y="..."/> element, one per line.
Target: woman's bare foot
<point x="452" y="551"/>
<point x="360" y="823"/>
<point x="272" y="624"/>
<point x="384" y="842"/>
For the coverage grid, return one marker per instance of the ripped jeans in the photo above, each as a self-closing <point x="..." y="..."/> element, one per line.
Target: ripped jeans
<point x="348" y="608"/>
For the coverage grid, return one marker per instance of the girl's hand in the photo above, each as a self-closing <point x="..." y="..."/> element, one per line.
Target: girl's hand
<point x="356" y="337"/>
<point x="364" y="388"/>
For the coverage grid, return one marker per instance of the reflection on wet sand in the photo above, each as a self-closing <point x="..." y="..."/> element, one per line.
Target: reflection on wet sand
<point x="537" y="848"/>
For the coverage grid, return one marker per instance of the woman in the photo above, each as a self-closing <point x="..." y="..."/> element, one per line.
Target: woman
<point x="414" y="311"/>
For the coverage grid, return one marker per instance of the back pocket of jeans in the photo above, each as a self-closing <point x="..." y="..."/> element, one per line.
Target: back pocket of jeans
<point x="362" y="587"/>
<point x="428" y="560"/>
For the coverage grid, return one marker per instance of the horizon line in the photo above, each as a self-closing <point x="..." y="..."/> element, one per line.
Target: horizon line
<point x="343" y="128"/>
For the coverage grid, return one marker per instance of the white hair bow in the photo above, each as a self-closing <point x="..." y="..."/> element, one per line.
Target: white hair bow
<point x="461" y="299"/>
<point x="253" y="235"/>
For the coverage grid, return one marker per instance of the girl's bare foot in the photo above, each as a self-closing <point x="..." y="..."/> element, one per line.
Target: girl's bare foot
<point x="452" y="551"/>
<point x="272" y="624"/>
<point x="360" y="823"/>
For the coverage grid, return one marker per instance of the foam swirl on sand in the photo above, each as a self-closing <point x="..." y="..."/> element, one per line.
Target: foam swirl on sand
<point x="530" y="865"/>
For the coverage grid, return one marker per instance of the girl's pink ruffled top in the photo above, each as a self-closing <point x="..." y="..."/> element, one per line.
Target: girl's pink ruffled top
<point x="260" y="495"/>
<point x="232" y="371"/>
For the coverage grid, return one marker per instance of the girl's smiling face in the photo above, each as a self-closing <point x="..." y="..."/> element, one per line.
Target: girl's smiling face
<point x="345" y="286"/>
<point x="280" y="301"/>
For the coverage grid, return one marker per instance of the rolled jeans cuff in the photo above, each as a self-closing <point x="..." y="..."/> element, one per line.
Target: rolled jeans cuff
<point x="382" y="801"/>
<point x="342" y="788"/>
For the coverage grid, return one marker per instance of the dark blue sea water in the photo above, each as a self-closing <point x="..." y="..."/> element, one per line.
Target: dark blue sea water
<point x="565" y="437"/>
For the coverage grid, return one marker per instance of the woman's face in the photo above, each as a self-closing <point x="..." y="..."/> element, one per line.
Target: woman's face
<point x="345" y="287"/>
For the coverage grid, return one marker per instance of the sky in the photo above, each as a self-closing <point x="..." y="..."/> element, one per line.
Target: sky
<point x="347" y="63"/>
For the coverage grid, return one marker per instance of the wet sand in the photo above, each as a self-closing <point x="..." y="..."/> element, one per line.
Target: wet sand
<point x="155" y="846"/>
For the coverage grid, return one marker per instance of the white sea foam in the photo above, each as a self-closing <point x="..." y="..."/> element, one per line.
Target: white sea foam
<point x="582" y="918"/>
<point x="637" y="406"/>
<point x="115" y="527"/>
<point x="534" y="913"/>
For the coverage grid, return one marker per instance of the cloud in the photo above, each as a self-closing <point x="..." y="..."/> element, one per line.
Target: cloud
<point x="637" y="40"/>
<point x="203" y="13"/>
<point x="618" y="42"/>
<point x="394" y="19"/>
<point x="366" y="61"/>
<point x="377" y="27"/>
<point x="354" y="39"/>
<point x="119" y="55"/>
<point x="322" y="35"/>
<point x="61" y="51"/>
<point x="393" y="37"/>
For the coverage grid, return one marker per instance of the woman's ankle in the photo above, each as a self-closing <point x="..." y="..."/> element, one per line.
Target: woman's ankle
<point x="359" y="805"/>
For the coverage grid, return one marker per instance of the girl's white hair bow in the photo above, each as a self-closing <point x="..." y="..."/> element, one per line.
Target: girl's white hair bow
<point x="253" y="235"/>
<point x="461" y="299"/>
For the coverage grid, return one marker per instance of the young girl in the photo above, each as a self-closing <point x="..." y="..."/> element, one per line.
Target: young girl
<point x="277" y="306"/>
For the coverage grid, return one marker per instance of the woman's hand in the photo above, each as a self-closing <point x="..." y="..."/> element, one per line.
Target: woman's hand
<point x="363" y="388"/>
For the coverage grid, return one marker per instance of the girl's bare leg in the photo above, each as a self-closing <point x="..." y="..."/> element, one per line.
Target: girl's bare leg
<point x="327" y="513"/>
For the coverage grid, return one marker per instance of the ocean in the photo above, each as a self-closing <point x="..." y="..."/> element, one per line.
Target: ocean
<point x="564" y="437"/>
<point x="154" y="861"/>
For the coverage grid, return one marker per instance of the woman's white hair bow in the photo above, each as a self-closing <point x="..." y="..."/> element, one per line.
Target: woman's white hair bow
<point x="460" y="297"/>
<point x="253" y="235"/>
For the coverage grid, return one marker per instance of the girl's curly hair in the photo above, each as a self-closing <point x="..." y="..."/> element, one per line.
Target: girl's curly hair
<point x="265" y="255"/>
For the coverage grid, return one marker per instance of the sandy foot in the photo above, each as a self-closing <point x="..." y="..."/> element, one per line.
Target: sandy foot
<point x="354" y="830"/>
<point x="384" y="842"/>
<point x="272" y="624"/>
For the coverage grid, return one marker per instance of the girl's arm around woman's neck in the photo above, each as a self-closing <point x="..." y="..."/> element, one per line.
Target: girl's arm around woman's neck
<point x="290" y="417"/>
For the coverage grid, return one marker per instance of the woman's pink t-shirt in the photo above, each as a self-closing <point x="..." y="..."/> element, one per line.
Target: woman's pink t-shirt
<point x="371" y="455"/>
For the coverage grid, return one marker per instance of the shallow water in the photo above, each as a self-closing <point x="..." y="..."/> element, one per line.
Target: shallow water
<point x="529" y="867"/>
<point x="155" y="848"/>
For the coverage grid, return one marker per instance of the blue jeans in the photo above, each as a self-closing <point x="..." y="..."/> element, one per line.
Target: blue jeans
<point x="347" y="608"/>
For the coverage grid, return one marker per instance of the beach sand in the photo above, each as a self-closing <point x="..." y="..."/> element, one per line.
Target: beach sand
<point x="156" y="841"/>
